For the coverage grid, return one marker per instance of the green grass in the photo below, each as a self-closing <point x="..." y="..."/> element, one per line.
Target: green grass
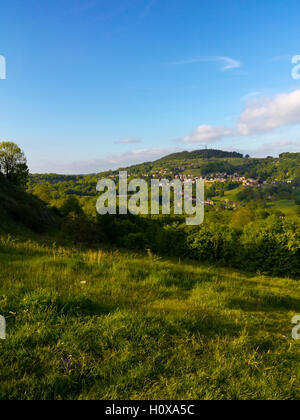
<point x="112" y="325"/>
<point x="230" y="195"/>
<point x="288" y="207"/>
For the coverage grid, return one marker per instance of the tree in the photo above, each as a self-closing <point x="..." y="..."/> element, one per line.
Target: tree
<point x="71" y="205"/>
<point x="13" y="164"/>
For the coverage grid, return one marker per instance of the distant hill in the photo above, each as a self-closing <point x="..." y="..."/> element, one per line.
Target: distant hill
<point x="285" y="168"/>
<point x="19" y="208"/>
<point x="201" y="154"/>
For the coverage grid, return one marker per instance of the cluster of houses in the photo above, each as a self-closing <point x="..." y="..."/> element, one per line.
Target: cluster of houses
<point x="218" y="177"/>
<point x="224" y="177"/>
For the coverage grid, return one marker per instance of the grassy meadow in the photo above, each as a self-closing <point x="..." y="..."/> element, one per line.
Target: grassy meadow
<point x="86" y="324"/>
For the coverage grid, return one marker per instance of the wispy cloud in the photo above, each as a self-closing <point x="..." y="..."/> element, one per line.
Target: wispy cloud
<point x="99" y="165"/>
<point x="282" y="143"/>
<point x="228" y="63"/>
<point x="128" y="141"/>
<point x="250" y="95"/>
<point x="273" y="148"/>
<point x="2" y="67"/>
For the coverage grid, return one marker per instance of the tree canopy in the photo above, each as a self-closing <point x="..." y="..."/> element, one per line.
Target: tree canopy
<point x="13" y="164"/>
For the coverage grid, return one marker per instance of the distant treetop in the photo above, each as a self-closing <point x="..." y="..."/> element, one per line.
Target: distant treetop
<point x="289" y="155"/>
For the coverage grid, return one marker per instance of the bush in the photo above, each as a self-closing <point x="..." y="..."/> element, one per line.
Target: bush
<point x="213" y="243"/>
<point x="251" y="239"/>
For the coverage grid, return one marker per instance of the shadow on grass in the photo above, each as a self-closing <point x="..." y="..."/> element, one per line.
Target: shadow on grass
<point x="43" y="301"/>
<point x="265" y="304"/>
<point x="213" y="326"/>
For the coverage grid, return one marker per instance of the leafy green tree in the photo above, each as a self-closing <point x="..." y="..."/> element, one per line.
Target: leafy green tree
<point x="13" y="164"/>
<point x="71" y="205"/>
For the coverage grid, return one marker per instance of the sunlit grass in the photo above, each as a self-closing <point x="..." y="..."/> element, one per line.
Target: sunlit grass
<point x="287" y="207"/>
<point x="114" y="325"/>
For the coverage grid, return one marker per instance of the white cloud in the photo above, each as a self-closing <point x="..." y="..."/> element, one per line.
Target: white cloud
<point x="260" y="116"/>
<point x="2" y="67"/>
<point x="208" y="134"/>
<point x="128" y="141"/>
<point x="268" y="114"/>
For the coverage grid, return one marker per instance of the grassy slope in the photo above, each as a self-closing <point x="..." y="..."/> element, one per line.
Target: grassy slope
<point x="139" y="327"/>
<point x="287" y="207"/>
<point x="229" y="195"/>
<point x="22" y="211"/>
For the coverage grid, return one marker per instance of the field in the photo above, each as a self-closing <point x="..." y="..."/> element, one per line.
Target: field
<point x="229" y="195"/>
<point x="287" y="207"/>
<point x="86" y="324"/>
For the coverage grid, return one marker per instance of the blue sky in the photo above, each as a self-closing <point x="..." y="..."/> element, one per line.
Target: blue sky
<point x="97" y="84"/>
